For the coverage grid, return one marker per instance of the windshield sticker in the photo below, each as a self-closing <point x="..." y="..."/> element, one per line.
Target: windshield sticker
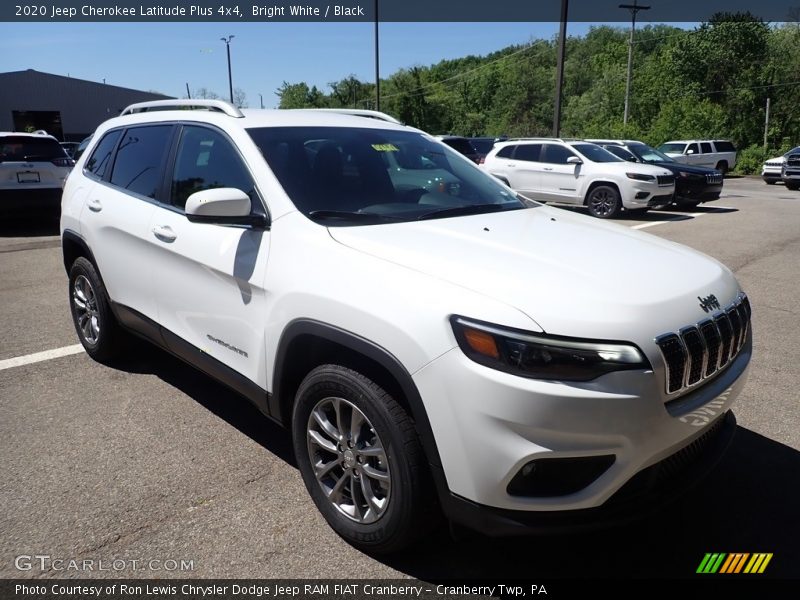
<point x="385" y="147"/>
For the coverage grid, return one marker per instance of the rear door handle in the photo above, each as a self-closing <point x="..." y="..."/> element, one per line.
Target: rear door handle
<point x="511" y="164"/>
<point x="547" y="168"/>
<point x="95" y="205"/>
<point x="164" y="233"/>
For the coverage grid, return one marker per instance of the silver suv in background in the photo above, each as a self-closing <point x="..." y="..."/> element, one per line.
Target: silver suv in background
<point x="790" y="172"/>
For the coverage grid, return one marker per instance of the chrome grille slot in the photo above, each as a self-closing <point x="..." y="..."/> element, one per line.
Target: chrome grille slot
<point x="712" y="339"/>
<point x="699" y="351"/>
<point x="726" y="331"/>
<point x="696" y="349"/>
<point x="674" y="354"/>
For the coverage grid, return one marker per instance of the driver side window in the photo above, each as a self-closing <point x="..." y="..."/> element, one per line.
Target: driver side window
<point x="207" y="160"/>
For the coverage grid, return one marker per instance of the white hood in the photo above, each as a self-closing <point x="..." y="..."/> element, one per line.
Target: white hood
<point x="571" y="274"/>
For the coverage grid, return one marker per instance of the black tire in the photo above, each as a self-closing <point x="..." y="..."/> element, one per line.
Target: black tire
<point x="793" y="186"/>
<point x="604" y="202"/>
<point x="95" y="324"/>
<point x="771" y="181"/>
<point x="722" y="167"/>
<point x="637" y="212"/>
<point x="688" y="205"/>
<point x="409" y="509"/>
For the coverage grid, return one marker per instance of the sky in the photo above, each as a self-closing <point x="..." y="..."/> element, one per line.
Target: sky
<point x="164" y="57"/>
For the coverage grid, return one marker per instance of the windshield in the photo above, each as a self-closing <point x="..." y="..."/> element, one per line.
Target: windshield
<point x="674" y="148"/>
<point x="648" y="154"/>
<point x="793" y="151"/>
<point x="596" y="154"/>
<point x="352" y="176"/>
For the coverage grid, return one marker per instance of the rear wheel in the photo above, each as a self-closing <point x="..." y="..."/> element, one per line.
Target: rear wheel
<point x="361" y="460"/>
<point x="722" y="166"/>
<point x="604" y="202"/>
<point x="94" y="322"/>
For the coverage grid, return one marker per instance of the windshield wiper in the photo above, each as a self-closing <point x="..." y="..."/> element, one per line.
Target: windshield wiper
<point x="467" y="209"/>
<point x="346" y="215"/>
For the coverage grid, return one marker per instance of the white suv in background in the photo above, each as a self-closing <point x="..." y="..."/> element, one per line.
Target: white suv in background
<point x="715" y="154"/>
<point x="33" y="168"/>
<point x="431" y="350"/>
<point x="577" y="172"/>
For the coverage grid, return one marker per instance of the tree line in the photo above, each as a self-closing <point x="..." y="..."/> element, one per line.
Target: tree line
<point x="709" y="82"/>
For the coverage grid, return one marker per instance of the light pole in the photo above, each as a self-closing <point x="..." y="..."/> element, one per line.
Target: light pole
<point x="261" y="97"/>
<point x="377" y="64"/>
<point x="230" y="77"/>
<point x="634" y="8"/>
<point x="562" y="42"/>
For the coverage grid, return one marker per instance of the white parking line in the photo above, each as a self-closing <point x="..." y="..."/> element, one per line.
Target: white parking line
<point x="18" y="361"/>
<point x="710" y="210"/>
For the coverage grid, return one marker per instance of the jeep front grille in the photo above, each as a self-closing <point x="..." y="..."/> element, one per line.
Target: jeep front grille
<point x="713" y="178"/>
<point x="793" y="160"/>
<point x="699" y="351"/>
<point x="666" y="180"/>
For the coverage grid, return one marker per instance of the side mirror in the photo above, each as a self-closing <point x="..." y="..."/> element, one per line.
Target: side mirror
<point x="574" y="160"/>
<point x="631" y="159"/>
<point x="221" y="206"/>
<point x="690" y="151"/>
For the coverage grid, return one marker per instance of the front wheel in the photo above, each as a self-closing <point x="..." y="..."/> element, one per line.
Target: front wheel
<point x="604" y="202"/>
<point x="361" y="460"/>
<point x="793" y="186"/>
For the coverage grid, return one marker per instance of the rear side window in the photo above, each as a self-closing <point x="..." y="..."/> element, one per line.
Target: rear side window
<point x="101" y="157"/>
<point x="21" y="148"/>
<point x="621" y="152"/>
<point x="137" y="167"/>
<point x="529" y="152"/>
<point x="462" y="145"/>
<point x="692" y="148"/>
<point x="725" y="147"/>
<point x="206" y="160"/>
<point x="505" y="152"/>
<point x="554" y="154"/>
<point x="706" y="147"/>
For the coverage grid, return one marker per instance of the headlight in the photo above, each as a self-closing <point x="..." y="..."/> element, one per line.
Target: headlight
<point x="640" y="177"/>
<point x="689" y="175"/>
<point x="540" y="356"/>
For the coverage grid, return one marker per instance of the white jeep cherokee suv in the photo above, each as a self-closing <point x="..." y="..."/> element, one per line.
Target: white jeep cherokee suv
<point x="455" y="350"/>
<point x="582" y="173"/>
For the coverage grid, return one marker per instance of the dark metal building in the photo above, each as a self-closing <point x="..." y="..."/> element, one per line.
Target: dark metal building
<point x="67" y="108"/>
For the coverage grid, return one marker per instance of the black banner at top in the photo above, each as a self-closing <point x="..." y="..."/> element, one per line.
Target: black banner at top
<point x="655" y="11"/>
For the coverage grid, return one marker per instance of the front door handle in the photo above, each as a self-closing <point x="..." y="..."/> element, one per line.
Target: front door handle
<point x="164" y="233"/>
<point x="547" y="168"/>
<point x="95" y="205"/>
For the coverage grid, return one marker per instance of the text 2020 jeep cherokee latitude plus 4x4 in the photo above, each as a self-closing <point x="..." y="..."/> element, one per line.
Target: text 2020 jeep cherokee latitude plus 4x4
<point x="430" y="348"/>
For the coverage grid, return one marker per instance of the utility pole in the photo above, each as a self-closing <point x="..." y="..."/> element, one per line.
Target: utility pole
<point x="188" y="93"/>
<point x="377" y="63"/>
<point x="230" y="77"/>
<point x="634" y="8"/>
<point x="562" y="44"/>
<point x="261" y="98"/>
<point x="766" y="125"/>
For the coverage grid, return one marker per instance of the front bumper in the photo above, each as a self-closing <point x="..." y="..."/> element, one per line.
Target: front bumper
<point x="642" y="194"/>
<point x="697" y="192"/>
<point x="488" y="425"/>
<point x="646" y="493"/>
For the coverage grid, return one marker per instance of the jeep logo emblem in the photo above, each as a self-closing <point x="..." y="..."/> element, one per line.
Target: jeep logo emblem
<point x="709" y="302"/>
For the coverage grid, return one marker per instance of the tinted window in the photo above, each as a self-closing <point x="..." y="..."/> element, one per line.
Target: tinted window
<point x="706" y="147"/>
<point x="19" y="148"/>
<point x="648" y="154"/>
<point x="620" y="152"/>
<point x="207" y="160"/>
<point x="595" y="153"/>
<point x="101" y="157"/>
<point x="137" y="167"/>
<point x="460" y="144"/>
<point x="505" y="152"/>
<point x="529" y="152"/>
<point x="353" y="176"/>
<point x="692" y="148"/>
<point x="482" y="145"/>
<point x="554" y="154"/>
<point x="725" y="147"/>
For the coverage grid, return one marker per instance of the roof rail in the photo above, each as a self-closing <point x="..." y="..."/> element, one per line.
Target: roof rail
<point x="540" y="138"/>
<point x="184" y="104"/>
<point x="360" y="112"/>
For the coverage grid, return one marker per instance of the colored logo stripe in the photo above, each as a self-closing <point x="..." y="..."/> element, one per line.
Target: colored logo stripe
<point x="721" y="562"/>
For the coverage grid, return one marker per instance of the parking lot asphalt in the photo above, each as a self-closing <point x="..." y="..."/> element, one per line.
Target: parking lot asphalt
<point x="151" y="460"/>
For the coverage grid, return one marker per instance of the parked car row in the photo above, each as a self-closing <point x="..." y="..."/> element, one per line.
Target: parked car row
<point x="718" y="154"/>
<point x="784" y="168"/>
